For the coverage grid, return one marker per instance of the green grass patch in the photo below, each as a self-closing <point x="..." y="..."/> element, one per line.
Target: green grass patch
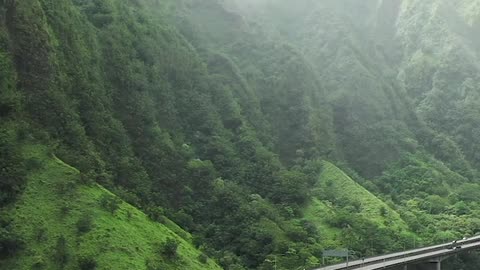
<point x="64" y="223"/>
<point x="343" y="191"/>
<point x="335" y="192"/>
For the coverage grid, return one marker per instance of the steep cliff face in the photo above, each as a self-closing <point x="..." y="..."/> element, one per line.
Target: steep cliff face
<point x="440" y="66"/>
<point x="342" y="45"/>
<point x="382" y="64"/>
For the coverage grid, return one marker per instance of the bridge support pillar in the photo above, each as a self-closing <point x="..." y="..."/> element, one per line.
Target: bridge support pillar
<point x="431" y="265"/>
<point x="438" y="264"/>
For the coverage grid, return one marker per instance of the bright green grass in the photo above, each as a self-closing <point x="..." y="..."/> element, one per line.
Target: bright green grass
<point x="346" y="190"/>
<point x="126" y="239"/>
<point x="318" y="212"/>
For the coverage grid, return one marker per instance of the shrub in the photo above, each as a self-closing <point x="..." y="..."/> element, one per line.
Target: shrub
<point x="61" y="251"/>
<point x="203" y="258"/>
<point x="110" y="203"/>
<point x="383" y="211"/>
<point x="183" y="219"/>
<point x="129" y="215"/>
<point x="156" y="214"/>
<point x="87" y="178"/>
<point x="41" y="234"/>
<point x="296" y="233"/>
<point x="84" y="224"/>
<point x="87" y="264"/>
<point x="38" y="263"/>
<point x="9" y="243"/>
<point x="170" y="248"/>
<point x="65" y="187"/>
<point x="12" y="171"/>
<point x="127" y="196"/>
<point x="64" y="209"/>
<point x="22" y="134"/>
<point x="309" y="227"/>
<point x="33" y="164"/>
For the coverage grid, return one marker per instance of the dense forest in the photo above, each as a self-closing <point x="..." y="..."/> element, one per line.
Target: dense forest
<point x="236" y="134"/>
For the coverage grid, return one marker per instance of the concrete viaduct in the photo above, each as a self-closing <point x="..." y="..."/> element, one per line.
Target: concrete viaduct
<point x="426" y="258"/>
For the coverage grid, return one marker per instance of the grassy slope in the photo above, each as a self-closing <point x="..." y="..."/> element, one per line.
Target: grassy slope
<point x="317" y="212"/>
<point x="344" y="189"/>
<point x="123" y="240"/>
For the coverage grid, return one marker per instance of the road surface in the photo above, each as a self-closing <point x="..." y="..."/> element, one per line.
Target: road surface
<point x="407" y="257"/>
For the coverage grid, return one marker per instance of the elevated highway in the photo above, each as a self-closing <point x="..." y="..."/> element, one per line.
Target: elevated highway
<point x="432" y="256"/>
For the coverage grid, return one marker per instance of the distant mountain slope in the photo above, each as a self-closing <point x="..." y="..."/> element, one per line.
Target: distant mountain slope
<point x="440" y="65"/>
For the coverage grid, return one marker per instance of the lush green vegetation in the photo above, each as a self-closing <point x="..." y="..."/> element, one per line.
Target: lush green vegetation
<point x="160" y="134"/>
<point x="351" y="216"/>
<point x="62" y="222"/>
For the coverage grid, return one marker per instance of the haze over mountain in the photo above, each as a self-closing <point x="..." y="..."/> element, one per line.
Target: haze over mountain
<point x="228" y="134"/>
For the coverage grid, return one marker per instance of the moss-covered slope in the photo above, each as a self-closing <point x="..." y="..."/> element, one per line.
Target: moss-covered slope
<point x="344" y="211"/>
<point x="65" y="222"/>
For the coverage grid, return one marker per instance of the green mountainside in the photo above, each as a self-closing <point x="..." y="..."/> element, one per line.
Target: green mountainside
<point x="336" y="198"/>
<point x="232" y="134"/>
<point x="71" y="224"/>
